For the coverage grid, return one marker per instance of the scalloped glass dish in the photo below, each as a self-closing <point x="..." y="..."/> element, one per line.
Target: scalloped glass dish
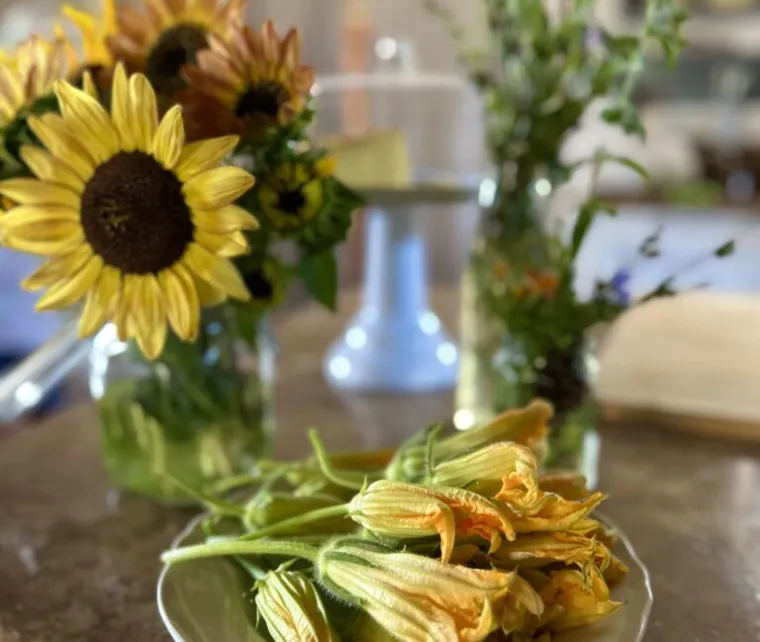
<point x="202" y="600"/>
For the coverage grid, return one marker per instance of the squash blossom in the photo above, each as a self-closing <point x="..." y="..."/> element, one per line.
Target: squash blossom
<point x="504" y="470"/>
<point x="555" y="513"/>
<point x="292" y="609"/>
<point x="403" y="511"/>
<point x="417" y="598"/>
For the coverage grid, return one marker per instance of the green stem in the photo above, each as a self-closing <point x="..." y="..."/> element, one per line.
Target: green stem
<point x="300" y="520"/>
<point x="239" y="547"/>
<point x="326" y="467"/>
<point x="214" y="504"/>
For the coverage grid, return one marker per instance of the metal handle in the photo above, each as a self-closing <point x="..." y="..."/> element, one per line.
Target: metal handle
<point x="27" y="384"/>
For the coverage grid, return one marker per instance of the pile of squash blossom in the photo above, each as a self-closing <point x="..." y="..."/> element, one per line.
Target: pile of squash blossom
<point x="447" y="539"/>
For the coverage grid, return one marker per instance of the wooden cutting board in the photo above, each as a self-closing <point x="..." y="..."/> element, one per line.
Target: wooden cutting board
<point x="691" y="362"/>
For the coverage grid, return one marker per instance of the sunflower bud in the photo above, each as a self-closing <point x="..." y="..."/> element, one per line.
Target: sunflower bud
<point x="417" y="598"/>
<point x="403" y="511"/>
<point x="292" y="608"/>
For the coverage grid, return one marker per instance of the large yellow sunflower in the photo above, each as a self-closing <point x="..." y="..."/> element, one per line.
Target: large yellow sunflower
<point x="168" y="34"/>
<point x="30" y="73"/>
<point x="131" y="219"/>
<point x="252" y="82"/>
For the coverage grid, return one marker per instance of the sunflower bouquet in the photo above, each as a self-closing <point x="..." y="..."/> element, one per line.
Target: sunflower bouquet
<point x="455" y="538"/>
<point x="158" y="173"/>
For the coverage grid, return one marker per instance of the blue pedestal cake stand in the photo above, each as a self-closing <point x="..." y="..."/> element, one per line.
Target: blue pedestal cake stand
<point x="396" y="343"/>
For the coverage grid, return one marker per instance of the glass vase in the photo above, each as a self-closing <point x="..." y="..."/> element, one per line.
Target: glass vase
<point x="499" y="370"/>
<point x="200" y="412"/>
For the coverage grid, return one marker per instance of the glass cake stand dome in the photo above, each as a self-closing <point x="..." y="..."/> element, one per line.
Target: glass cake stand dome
<point x="396" y="342"/>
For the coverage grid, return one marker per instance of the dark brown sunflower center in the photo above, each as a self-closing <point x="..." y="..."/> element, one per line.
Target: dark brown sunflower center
<point x="291" y="201"/>
<point x="264" y="99"/>
<point x="175" y="47"/>
<point x="134" y="215"/>
<point x="259" y="285"/>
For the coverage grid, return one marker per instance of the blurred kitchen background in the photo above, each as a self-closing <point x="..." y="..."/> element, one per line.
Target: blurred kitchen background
<point x="703" y="145"/>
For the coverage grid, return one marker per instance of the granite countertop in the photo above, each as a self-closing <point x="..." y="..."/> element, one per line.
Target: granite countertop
<point x="79" y="563"/>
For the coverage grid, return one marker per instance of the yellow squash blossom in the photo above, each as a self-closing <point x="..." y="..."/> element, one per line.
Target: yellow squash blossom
<point x="404" y="511"/>
<point x="132" y="220"/>
<point x="292" y="609"/>
<point x="575" y="599"/>
<point x="504" y="469"/>
<point x="247" y="83"/>
<point x="566" y="484"/>
<point x="416" y="598"/>
<point x="542" y="549"/>
<point x="526" y="426"/>
<point x="555" y="514"/>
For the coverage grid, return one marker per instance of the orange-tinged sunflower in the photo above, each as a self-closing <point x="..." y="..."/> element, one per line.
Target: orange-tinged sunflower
<point x="132" y="220"/>
<point x="168" y="34"/>
<point x="30" y="73"/>
<point x="246" y="85"/>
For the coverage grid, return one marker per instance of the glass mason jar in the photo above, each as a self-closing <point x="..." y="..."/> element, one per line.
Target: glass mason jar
<point x="499" y="371"/>
<point x="200" y="412"/>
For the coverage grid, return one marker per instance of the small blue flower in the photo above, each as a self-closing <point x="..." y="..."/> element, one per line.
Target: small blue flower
<point x="618" y="291"/>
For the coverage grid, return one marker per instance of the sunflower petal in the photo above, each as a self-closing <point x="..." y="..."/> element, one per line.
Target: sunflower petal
<point x="169" y="138"/>
<point x="204" y="155"/>
<point x="181" y="301"/>
<point x="208" y="295"/>
<point x="121" y="111"/>
<point x="89" y="117"/>
<point x="26" y="216"/>
<point x="59" y="141"/>
<point x="47" y="168"/>
<point x="230" y="218"/>
<point x="57" y="269"/>
<point x="218" y="272"/>
<point x="30" y="191"/>
<point x="101" y="302"/>
<point x="68" y="292"/>
<point x="150" y="316"/>
<point x="218" y="187"/>
<point x="144" y="112"/>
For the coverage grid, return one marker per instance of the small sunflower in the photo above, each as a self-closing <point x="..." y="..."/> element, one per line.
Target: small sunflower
<point x="130" y="218"/>
<point x="247" y="85"/>
<point x="98" y="59"/>
<point x="168" y="34"/>
<point x="292" y="194"/>
<point x="29" y="74"/>
<point x="266" y="283"/>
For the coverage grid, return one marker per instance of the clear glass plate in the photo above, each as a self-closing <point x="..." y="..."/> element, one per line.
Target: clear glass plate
<point x="202" y="600"/>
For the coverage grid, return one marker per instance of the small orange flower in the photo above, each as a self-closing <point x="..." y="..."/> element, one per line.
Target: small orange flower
<point x="247" y="84"/>
<point x="403" y="511"/>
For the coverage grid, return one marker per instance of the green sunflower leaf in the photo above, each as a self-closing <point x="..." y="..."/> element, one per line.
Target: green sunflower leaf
<point x="320" y="275"/>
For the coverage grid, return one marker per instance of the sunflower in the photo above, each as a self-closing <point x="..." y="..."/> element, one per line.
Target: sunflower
<point x="252" y="82"/>
<point x="168" y="34"/>
<point x="292" y="194"/>
<point x="29" y="74"/>
<point x="131" y="219"/>
<point x="98" y="59"/>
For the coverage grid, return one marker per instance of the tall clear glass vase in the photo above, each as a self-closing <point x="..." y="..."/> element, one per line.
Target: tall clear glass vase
<point x="499" y="369"/>
<point x="200" y="412"/>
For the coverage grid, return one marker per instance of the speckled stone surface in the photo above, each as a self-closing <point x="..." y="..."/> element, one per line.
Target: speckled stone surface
<point x="78" y="563"/>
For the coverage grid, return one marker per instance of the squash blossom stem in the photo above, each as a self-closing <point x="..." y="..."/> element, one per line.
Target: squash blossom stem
<point x="326" y="467"/>
<point x="239" y="547"/>
<point x="300" y="520"/>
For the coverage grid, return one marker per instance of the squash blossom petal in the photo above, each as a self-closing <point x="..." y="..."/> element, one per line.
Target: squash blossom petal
<point x="565" y="484"/>
<point x="523" y="609"/>
<point x="542" y="549"/>
<point x="403" y="511"/>
<point x="417" y="598"/>
<point x="505" y="470"/>
<point x="292" y="609"/>
<point x="555" y="514"/>
<point x="573" y="600"/>
<point x="526" y="426"/>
